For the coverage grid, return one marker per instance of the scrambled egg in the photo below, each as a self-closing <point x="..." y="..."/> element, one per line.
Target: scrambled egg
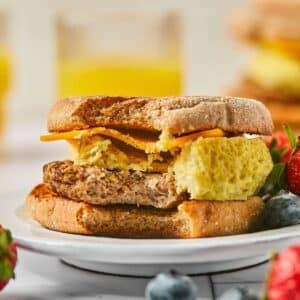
<point x="101" y="152"/>
<point x="275" y="69"/>
<point x="222" y="168"/>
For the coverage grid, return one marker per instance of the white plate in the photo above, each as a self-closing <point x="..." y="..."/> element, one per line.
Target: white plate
<point x="146" y="257"/>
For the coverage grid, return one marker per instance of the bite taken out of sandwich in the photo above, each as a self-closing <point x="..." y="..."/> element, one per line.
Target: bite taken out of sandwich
<point x="170" y="167"/>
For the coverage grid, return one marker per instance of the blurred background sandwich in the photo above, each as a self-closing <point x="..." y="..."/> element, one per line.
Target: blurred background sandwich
<point x="272" y="27"/>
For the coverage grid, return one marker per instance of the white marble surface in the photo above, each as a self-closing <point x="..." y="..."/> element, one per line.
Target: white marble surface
<point x="43" y="277"/>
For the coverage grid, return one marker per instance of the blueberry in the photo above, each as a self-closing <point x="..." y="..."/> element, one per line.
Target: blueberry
<point x="238" y="294"/>
<point x="171" y="286"/>
<point x="282" y="210"/>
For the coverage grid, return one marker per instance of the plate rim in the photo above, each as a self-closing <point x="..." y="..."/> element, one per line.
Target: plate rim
<point x="118" y="250"/>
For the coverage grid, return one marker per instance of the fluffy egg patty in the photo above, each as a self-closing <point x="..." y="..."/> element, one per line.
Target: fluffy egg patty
<point x="222" y="168"/>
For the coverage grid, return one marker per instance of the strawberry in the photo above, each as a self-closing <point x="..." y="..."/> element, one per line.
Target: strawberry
<point x="279" y="146"/>
<point x="8" y="257"/>
<point x="285" y="152"/>
<point x="293" y="171"/>
<point x="284" y="278"/>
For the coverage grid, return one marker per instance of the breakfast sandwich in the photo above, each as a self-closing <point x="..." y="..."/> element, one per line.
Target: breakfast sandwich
<point x="168" y="167"/>
<point x="273" y="74"/>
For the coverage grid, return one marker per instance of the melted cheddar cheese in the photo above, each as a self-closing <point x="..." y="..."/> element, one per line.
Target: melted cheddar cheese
<point x="148" y="144"/>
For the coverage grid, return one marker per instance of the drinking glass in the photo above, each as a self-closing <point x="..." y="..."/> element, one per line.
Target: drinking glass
<point x="5" y="71"/>
<point x="119" y="54"/>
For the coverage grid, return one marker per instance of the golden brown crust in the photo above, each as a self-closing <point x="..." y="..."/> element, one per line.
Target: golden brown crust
<point x="42" y="205"/>
<point x="192" y="219"/>
<point x="178" y="115"/>
<point x="277" y="101"/>
<point x="216" y="218"/>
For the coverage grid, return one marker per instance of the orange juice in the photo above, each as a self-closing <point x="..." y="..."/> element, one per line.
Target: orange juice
<point x="120" y="76"/>
<point x="4" y="84"/>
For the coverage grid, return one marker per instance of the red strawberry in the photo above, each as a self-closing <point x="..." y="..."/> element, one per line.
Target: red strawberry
<point x="279" y="146"/>
<point x="284" y="278"/>
<point x="293" y="173"/>
<point x="8" y="257"/>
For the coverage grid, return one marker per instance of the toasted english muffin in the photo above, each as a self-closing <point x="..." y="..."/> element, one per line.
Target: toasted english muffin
<point x="192" y="219"/>
<point x="177" y="115"/>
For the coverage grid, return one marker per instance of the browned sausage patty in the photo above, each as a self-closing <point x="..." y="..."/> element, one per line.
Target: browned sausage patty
<point x="100" y="186"/>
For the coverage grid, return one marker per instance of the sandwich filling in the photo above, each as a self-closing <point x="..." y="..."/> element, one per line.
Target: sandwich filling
<point x="115" y="155"/>
<point x="208" y="165"/>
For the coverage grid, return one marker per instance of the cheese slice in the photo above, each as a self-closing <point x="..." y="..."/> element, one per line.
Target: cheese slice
<point x="145" y="143"/>
<point x="180" y="141"/>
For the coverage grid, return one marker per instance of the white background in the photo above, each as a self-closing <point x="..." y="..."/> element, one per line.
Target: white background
<point x="212" y="59"/>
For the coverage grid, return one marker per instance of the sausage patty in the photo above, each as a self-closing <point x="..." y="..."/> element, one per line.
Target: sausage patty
<point x="100" y="186"/>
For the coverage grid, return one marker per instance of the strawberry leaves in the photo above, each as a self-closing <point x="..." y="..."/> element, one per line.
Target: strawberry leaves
<point x="294" y="142"/>
<point x="291" y="136"/>
<point x="277" y="179"/>
<point x="277" y="176"/>
<point x="276" y="152"/>
<point x="6" y="267"/>
<point x="275" y="182"/>
<point x="5" y="241"/>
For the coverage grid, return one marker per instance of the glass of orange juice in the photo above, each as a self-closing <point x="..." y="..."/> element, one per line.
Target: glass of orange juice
<point x="4" y="71"/>
<point x="119" y="54"/>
